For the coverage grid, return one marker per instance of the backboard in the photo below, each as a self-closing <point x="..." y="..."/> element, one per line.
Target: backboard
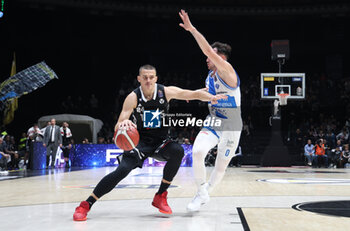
<point x="273" y="84"/>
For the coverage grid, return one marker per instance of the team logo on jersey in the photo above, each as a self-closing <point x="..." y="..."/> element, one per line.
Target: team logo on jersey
<point x="160" y="94"/>
<point x="151" y="118"/>
<point x="217" y="86"/>
<point x="161" y="101"/>
<point x="139" y="108"/>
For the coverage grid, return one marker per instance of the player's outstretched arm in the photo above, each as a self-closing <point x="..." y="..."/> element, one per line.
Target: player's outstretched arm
<point x="224" y="68"/>
<point x="181" y="94"/>
<point x="128" y="107"/>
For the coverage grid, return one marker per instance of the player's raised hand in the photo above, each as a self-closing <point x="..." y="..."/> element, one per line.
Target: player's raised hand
<point x="215" y="98"/>
<point x="187" y="25"/>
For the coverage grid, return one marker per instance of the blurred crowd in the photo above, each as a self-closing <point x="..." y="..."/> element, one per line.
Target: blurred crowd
<point x="323" y="142"/>
<point x="324" y="114"/>
<point x="17" y="154"/>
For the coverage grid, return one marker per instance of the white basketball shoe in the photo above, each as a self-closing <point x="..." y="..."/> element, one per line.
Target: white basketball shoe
<point x="200" y="199"/>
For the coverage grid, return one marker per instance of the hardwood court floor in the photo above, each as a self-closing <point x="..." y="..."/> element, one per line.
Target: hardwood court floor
<point x="247" y="199"/>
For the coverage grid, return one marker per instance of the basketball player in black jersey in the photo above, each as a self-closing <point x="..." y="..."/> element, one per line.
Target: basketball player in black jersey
<point x="152" y="98"/>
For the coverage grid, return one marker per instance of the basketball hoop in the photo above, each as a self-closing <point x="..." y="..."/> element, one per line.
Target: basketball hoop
<point x="283" y="98"/>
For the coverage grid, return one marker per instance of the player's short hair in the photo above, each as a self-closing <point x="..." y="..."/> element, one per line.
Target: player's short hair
<point x="223" y="48"/>
<point x="147" y="67"/>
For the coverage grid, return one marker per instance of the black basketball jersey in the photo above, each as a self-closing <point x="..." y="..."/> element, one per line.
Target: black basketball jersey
<point x="148" y="114"/>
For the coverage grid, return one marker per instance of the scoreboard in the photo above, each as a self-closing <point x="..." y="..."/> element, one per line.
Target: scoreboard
<point x="273" y="84"/>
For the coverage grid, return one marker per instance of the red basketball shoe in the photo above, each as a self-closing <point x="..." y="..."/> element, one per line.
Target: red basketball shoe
<point x="81" y="211"/>
<point x="160" y="202"/>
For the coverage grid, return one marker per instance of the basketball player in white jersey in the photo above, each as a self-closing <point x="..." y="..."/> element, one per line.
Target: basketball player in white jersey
<point x="222" y="79"/>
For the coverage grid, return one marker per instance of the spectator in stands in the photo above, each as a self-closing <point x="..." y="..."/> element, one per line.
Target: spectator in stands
<point x="101" y="140"/>
<point x="187" y="141"/>
<point x="309" y="136"/>
<point x="345" y="156"/>
<point x="86" y="141"/>
<point x="309" y="152"/>
<point x="11" y="150"/>
<point x="339" y="145"/>
<point x="34" y="133"/>
<point x="4" y="158"/>
<point x="347" y="123"/>
<point x="298" y="138"/>
<point x="335" y="158"/>
<point x="327" y="149"/>
<point x="66" y="142"/>
<point x="211" y="157"/>
<point x="321" y="135"/>
<point x="330" y="137"/>
<point x="180" y="138"/>
<point x="13" y="142"/>
<point x="22" y="142"/>
<point x="314" y="133"/>
<point x="320" y="154"/>
<point x="343" y="136"/>
<point x="109" y="140"/>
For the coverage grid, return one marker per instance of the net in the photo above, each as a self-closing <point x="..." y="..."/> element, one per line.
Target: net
<point x="283" y="99"/>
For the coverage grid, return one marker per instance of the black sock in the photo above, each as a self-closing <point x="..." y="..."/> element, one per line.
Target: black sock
<point x="91" y="200"/>
<point x="163" y="187"/>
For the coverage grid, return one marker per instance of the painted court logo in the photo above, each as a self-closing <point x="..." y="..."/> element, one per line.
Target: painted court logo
<point x="152" y="119"/>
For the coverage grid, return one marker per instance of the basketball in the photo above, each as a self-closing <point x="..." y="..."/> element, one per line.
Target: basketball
<point x="126" y="139"/>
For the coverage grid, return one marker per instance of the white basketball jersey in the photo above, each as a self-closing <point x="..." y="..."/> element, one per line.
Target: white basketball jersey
<point x="229" y="110"/>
